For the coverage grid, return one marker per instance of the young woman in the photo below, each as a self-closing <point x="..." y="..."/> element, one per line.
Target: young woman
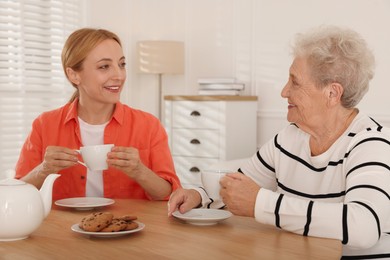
<point x="140" y="163"/>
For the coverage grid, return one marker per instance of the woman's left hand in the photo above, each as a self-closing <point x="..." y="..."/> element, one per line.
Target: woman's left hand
<point x="125" y="159"/>
<point x="239" y="194"/>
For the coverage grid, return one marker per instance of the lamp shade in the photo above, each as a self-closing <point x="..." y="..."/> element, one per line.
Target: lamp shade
<point x="160" y="57"/>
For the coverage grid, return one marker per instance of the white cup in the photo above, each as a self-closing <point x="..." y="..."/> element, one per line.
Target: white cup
<point x="95" y="156"/>
<point x="210" y="181"/>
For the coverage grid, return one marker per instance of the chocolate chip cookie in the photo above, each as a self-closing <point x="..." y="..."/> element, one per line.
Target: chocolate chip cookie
<point x="95" y="222"/>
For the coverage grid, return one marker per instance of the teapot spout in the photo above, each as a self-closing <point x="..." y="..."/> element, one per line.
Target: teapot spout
<point x="46" y="192"/>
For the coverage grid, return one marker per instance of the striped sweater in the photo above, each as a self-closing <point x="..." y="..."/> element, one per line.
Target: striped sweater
<point x="341" y="194"/>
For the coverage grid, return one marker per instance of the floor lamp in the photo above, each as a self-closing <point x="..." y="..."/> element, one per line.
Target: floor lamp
<point x="160" y="57"/>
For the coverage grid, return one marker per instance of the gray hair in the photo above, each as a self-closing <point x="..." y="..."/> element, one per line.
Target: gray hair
<point x="338" y="55"/>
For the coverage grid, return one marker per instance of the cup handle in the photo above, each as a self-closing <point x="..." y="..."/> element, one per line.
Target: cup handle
<point x="80" y="161"/>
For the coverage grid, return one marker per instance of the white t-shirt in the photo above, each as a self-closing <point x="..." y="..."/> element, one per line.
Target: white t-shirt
<point x="93" y="135"/>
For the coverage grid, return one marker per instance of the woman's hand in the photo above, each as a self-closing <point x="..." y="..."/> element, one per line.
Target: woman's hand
<point x="125" y="159"/>
<point x="57" y="158"/>
<point x="239" y="194"/>
<point x="183" y="200"/>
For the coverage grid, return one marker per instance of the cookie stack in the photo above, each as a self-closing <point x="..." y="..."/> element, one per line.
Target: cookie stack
<point x="106" y="222"/>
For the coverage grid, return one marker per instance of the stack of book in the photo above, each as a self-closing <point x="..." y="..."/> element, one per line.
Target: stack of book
<point x="220" y="86"/>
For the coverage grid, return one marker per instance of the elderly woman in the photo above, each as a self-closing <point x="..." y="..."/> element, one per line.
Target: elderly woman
<point x="327" y="174"/>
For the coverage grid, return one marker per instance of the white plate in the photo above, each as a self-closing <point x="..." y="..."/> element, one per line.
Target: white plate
<point x="84" y="203"/>
<point x="77" y="229"/>
<point x="203" y="217"/>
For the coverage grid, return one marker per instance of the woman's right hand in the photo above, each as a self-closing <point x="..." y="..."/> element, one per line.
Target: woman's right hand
<point x="57" y="158"/>
<point x="183" y="200"/>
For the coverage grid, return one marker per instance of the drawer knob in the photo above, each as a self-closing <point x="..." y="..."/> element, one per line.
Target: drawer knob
<point x="195" y="141"/>
<point x="194" y="169"/>
<point x="195" y="113"/>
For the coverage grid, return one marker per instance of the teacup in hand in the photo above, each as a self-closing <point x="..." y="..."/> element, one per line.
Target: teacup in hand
<point x="95" y="156"/>
<point x="210" y="181"/>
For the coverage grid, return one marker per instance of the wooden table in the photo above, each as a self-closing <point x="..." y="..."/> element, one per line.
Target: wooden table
<point x="165" y="238"/>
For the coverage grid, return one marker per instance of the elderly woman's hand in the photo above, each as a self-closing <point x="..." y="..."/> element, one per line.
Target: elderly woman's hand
<point x="183" y="200"/>
<point x="239" y="194"/>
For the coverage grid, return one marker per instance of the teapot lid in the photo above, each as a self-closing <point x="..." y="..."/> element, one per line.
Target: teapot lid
<point x="11" y="182"/>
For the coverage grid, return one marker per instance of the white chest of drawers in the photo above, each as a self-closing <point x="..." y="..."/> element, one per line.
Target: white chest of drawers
<point x="203" y="130"/>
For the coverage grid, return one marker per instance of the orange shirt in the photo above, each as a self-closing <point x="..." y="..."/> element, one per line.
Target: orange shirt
<point x="128" y="127"/>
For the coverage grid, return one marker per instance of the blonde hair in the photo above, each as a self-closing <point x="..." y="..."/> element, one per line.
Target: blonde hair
<point x="338" y="55"/>
<point x="77" y="47"/>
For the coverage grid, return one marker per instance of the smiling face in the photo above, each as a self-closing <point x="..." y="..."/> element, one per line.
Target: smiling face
<point x="307" y="103"/>
<point x="103" y="74"/>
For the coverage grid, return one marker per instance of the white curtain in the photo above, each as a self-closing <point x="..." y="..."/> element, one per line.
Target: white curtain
<point x="32" y="34"/>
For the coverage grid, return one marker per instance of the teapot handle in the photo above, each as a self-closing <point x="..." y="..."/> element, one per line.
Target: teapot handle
<point x="46" y="192"/>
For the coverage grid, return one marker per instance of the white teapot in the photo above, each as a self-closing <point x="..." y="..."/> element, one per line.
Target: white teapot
<point x="23" y="207"/>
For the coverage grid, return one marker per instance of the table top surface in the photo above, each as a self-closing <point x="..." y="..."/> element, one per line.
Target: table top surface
<point x="165" y="238"/>
<point x="211" y="98"/>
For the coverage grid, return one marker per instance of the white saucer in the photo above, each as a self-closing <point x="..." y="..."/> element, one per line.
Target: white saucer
<point x="77" y="229"/>
<point x="203" y="217"/>
<point x="84" y="203"/>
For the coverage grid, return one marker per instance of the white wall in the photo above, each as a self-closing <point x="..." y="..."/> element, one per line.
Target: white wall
<point x="246" y="39"/>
